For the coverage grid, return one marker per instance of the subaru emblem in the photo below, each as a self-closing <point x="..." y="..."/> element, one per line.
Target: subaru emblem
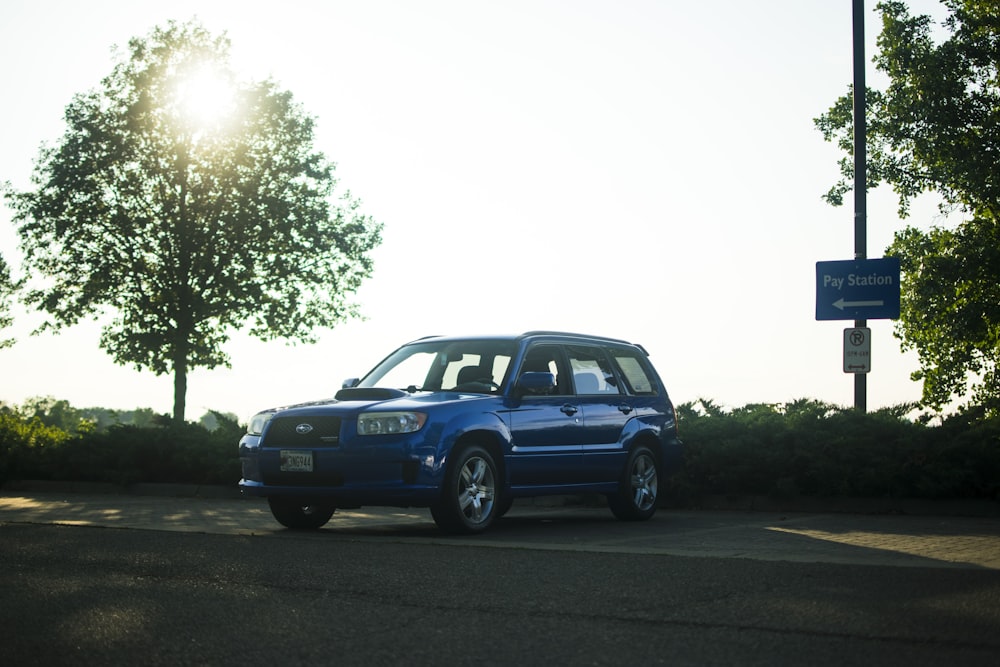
<point x="302" y="429"/>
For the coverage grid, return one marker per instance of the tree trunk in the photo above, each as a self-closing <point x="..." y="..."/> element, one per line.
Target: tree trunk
<point x="180" y="388"/>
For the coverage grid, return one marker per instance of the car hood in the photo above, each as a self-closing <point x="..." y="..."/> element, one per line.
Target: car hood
<point x="358" y="399"/>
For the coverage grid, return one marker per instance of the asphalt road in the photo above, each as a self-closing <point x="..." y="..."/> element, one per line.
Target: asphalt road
<point x="126" y="580"/>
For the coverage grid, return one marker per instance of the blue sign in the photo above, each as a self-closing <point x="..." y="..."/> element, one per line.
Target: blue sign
<point x="858" y="289"/>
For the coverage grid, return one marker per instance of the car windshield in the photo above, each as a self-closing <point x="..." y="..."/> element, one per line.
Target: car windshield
<point x="445" y="365"/>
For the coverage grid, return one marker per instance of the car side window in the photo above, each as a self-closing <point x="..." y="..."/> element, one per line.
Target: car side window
<point x="592" y="372"/>
<point x="633" y="370"/>
<point x="547" y="359"/>
<point x="473" y="368"/>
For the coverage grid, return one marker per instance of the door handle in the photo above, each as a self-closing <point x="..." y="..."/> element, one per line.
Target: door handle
<point x="625" y="408"/>
<point x="569" y="409"/>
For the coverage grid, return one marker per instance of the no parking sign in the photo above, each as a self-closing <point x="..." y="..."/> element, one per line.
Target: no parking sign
<point x="858" y="350"/>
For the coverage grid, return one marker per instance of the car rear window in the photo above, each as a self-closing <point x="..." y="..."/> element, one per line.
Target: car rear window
<point x="634" y="371"/>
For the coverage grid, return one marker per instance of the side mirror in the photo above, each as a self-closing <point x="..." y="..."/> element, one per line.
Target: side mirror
<point x="350" y="382"/>
<point x="534" y="382"/>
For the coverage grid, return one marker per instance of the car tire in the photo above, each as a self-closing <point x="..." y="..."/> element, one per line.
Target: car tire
<point x="299" y="514"/>
<point x="469" y="501"/>
<point x="637" y="492"/>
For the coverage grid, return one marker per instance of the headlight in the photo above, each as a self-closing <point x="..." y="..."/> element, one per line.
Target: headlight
<point x="258" y="422"/>
<point x="387" y="423"/>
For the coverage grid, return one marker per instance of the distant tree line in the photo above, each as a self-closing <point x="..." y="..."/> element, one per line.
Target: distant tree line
<point x="60" y="414"/>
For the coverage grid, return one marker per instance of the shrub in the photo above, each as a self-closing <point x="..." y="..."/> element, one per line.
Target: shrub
<point x="816" y="449"/>
<point x="120" y="454"/>
<point x="805" y="447"/>
<point x="26" y="445"/>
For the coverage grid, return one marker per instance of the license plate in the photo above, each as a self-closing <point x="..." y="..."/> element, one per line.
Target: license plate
<point x="294" y="460"/>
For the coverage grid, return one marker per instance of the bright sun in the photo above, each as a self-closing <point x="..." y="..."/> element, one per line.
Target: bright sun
<point x="205" y="97"/>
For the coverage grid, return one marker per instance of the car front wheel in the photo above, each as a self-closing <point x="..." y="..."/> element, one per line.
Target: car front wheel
<point x="637" y="492"/>
<point x="469" y="501"/>
<point x="299" y="514"/>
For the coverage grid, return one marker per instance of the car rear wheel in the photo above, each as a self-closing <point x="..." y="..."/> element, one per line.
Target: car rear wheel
<point x="299" y="514"/>
<point x="637" y="492"/>
<point x="469" y="501"/>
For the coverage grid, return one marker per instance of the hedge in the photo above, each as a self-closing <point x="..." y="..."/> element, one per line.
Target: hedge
<point x="810" y="448"/>
<point x="120" y="454"/>
<point x="803" y="448"/>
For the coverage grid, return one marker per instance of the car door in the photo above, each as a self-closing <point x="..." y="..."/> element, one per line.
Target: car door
<point x="606" y="409"/>
<point x="545" y="428"/>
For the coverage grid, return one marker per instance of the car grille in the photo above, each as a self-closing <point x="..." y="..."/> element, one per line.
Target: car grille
<point x="302" y="432"/>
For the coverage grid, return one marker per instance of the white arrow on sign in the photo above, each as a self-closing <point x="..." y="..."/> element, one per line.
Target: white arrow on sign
<point x="841" y="304"/>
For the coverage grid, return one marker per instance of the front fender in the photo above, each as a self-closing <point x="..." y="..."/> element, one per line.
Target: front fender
<point x="464" y="425"/>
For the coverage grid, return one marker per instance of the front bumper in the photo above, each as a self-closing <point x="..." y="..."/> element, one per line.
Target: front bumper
<point x="381" y="470"/>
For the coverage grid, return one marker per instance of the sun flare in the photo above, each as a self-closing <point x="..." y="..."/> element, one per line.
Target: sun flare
<point x="205" y="97"/>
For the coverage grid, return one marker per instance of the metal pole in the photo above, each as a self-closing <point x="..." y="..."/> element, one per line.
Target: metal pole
<point x="860" y="175"/>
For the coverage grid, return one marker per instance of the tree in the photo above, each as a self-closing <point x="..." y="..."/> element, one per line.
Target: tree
<point x="7" y="288"/>
<point x="936" y="128"/>
<point x="56" y="413"/>
<point x="187" y="205"/>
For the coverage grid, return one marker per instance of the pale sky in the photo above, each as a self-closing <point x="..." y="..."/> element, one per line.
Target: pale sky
<point x="642" y="169"/>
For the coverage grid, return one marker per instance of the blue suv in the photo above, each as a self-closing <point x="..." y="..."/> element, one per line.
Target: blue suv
<point x="465" y="425"/>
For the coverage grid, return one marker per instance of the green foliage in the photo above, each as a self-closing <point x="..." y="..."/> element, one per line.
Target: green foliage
<point x="7" y="289"/>
<point x="185" y="225"/>
<point x="812" y="448"/>
<point x="950" y="309"/>
<point x="60" y="414"/>
<point x="174" y="453"/>
<point x="121" y="454"/>
<point x="936" y="128"/>
<point x="213" y="420"/>
<point x="802" y="448"/>
<point x="25" y="444"/>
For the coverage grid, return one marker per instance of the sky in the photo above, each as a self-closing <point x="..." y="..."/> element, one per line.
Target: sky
<point x="640" y="169"/>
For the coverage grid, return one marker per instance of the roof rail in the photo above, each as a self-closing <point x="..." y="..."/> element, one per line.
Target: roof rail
<point x="543" y="332"/>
